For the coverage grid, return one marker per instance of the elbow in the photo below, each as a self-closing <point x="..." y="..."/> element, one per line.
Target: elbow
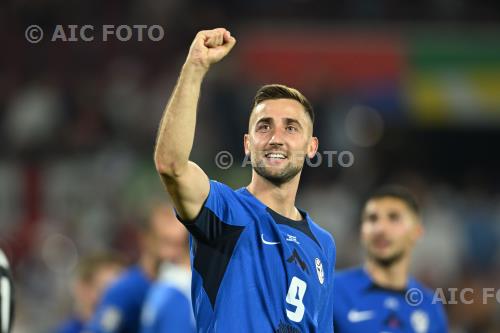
<point x="168" y="168"/>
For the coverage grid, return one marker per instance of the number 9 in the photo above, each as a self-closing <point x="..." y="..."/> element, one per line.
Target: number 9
<point x="295" y="297"/>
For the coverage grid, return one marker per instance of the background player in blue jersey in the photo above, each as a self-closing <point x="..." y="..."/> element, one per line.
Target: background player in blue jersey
<point x="381" y="296"/>
<point x="168" y="307"/>
<point x="119" y="311"/>
<point x="94" y="274"/>
<point x="259" y="263"/>
<point x="6" y="295"/>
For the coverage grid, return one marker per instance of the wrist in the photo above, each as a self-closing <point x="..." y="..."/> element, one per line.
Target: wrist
<point x="194" y="69"/>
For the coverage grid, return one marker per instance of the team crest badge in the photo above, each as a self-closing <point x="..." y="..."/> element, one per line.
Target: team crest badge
<point x="110" y="319"/>
<point x="420" y="321"/>
<point x="319" y="270"/>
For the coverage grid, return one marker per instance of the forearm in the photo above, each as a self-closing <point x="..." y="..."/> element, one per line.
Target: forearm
<point x="176" y="132"/>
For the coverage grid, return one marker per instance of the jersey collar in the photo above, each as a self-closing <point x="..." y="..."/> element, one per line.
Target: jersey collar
<point x="366" y="282"/>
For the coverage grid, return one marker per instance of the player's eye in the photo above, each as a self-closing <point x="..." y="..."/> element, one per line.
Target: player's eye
<point x="291" y="129"/>
<point x="394" y="217"/>
<point x="263" y="127"/>
<point x="371" y="218"/>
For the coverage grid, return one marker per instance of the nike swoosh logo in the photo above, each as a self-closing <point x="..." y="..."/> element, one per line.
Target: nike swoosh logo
<point x="266" y="242"/>
<point x="357" y="316"/>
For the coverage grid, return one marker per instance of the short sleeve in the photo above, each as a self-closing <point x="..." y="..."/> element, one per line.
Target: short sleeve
<point x="110" y="314"/>
<point x="176" y="316"/>
<point x="219" y="217"/>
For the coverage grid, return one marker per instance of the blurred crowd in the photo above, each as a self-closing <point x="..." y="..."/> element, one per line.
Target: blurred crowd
<point x="78" y="124"/>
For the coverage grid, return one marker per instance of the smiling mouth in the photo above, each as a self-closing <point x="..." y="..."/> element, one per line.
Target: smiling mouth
<point x="276" y="156"/>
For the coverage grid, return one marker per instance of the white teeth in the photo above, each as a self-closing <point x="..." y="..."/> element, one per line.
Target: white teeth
<point x="276" y="155"/>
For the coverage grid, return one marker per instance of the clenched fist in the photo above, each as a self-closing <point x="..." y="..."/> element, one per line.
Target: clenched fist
<point x="209" y="47"/>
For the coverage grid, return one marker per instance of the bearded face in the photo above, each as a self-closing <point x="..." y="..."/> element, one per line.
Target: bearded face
<point x="389" y="230"/>
<point x="279" y="140"/>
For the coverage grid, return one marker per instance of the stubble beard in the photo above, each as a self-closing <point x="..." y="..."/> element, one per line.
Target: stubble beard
<point x="280" y="178"/>
<point x="388" y="261"/>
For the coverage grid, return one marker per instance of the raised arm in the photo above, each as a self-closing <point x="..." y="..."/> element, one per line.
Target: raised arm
<point x="185" y="181"/>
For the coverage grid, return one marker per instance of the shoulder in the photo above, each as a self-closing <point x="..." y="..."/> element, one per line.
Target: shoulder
<point x="430" y="302"/>
<point x="428" y="295"/>
<point x="347" y="288"/>
<point x="165" y="296"/>
<point x="120" y="301"/>
<point x="226" y="204"/>
<point x="172" y="295"/>
<point x="217" y="185"/>
<point x="132" y="276"/>
<point x="130" y="282"/>
<point x="222" y="198"/>
<point x="221" y="189"/>
<point x="350" y="280"/>
<point x="320" y="231"/>
<point x="430" y="298"/>
<point x="350" y="274"/>
<point x="324" y="237"/>
<point x="159" y="307"/>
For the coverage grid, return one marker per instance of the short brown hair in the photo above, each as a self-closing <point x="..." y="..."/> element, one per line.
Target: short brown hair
<point x="397" y="192"/>
<point x="91" y="264"/>
<point x="277" y="91"/>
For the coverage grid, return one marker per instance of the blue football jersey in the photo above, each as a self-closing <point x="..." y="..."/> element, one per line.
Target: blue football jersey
<point x="120" y="308"/>
<point x="71" y="325"/>
<point x="255" y="270"/>
<point x="362" y="306"/>
<point x="168" y="308"/>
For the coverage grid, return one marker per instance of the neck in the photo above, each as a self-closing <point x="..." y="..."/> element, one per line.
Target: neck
<point x="150" y="266"/>
<point x="186" y="261"/>
<point x="394" y="276"/>
<point x="84" y="312"/>
<point x="280" y="198"/>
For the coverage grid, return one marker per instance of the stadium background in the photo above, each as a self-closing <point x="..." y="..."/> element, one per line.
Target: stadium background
<point x="412" y="90"/>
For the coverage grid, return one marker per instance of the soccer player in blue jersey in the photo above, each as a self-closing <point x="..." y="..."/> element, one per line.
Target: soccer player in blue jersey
<point x="168" y="307"/>
<point x="259" y="263"/>
<point x="119" y="310"/>
<point x="94" y="274"/>
<point x="381" y="296"/>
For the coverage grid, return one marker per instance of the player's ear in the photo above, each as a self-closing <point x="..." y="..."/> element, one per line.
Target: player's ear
<point x="313" y="147"/>
<point x="419" y="230"/>
<point x="246" y="144"/>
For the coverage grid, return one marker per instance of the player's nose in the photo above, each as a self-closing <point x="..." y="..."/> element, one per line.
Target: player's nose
<point x="380" y="227"/>
<point x="276" y="137"/>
